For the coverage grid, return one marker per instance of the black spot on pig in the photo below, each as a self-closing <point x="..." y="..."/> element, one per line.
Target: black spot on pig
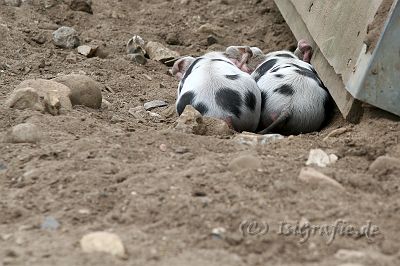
<point x="286" y="55"/>
<point x="229" y="100"/>
<point x="232" y="77"/>
<point x="264" y="98"/>
<point x="285" y="90"/>
<point x="186" y="99"/>
<point x="188" y="72"/>
<point x="250" y="100"/>
<point x="202" y="108"/>
<point x="308" y="73"/>
<point x="328" y="109"/>
<point x="263" y="68"/>
<point x="279" y="76"/>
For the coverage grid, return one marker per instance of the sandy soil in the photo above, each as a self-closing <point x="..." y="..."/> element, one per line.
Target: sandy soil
<point x="103" y="170"/>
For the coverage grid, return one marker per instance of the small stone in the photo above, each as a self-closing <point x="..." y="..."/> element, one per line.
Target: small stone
<point x="154" y="104"/>
<point x="137" y="58"/>
<point x="245" y="162"/>
<point x="103" y="242"/>
<point x="159" y="52"/>
<point x="15" y="3"/>
<point x="135" y="45"/>
<point x="23" y="133"/>
<point x="105" y="104"/>
<point x="84" y="90"/>
<point x="52" y="103"/>
<point x="218" y="232"/>
<point x="210" y="29"/>
<point x="82" y="5"/>
<point x="320" y="158"/>
<point x="384" y="163"/>
<point x="251" y="139"/>
<point x="347" y="254"/>
<point x="309" y="174"/>
<point x="66" y="37"/>
<point x="147" y="77"/>
<point x="211" y="39"/>
<point x="181" y="150"/>
<point x="117" y="119"/>
<point x="24" y="98"/>
<point x="84" y="211"/>
<point x="336" y="132"/>
<point x="50" y="223"/>
<point x="163" y="147"/>
<point x="2" y="166"/>
<point x="87" y="50"/>
<point x="190" y="122"/>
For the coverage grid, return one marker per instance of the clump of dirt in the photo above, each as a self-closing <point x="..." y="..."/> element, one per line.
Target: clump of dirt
<point x="173" y="197"/>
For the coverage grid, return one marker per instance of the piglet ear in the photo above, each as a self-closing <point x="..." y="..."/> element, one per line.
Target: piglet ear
<point x="179" y="68"/>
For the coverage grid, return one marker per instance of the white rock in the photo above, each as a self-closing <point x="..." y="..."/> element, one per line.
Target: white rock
<point x="320" y="158"/>
<point x="251" y="139"/>
<point x="309" y="174"/>
<point x="23" y="133"/>
<point x="135" y="45"/>
<point x="159" y="52"/>
<point x="154" y="104"/>
<point x="103" y="242"/>
<point x="347" y="254"/>
<point x="87" y="50"/>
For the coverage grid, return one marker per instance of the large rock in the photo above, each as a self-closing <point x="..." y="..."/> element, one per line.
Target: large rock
<point x="103" y="242"/>
<point x="66" y="37"/>
<point x="23" y="133"/>
<point x="84" y="90"/>
<point x="25" y="98"/>
<point x="54" y="94"/>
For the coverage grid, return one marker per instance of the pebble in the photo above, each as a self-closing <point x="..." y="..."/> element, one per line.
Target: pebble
<point x="320" y="158"/>
<point x="2" y="166"/>
<point x="210" y="29"/>
<point x="87" y="50"/>
<point x="81" y="5"/>
<point x="178" y="150"/>
<point x="154" y="104"/>
<point x="383" y="163"/>
<point x="50" y="223"/>
<point x="218" y="232"/>
<point x="159" y="52"/>
<point x="245" y="162"/>
<point x="66" y="37"/>
<point x="251" y="139"/>
<point x="55" y="94"/>
<point x="309" y="174"/>
<point x="336" y="132"/>
<point x="103" y="242"/>
<point x="347" y="254"/>
<point x="163" y="147"/>
<point x="23" y="133"/>
<point x="84" y="90"/>
<point x="24" y="98"/>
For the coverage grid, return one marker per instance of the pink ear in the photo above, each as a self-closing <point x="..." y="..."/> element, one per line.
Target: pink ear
<point x="179" y="68"/>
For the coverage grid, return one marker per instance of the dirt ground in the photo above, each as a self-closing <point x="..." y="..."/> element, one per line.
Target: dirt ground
<point x="103" y="170"/>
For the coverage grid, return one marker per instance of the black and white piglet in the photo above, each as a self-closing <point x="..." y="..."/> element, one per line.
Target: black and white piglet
<point x="294" y="99"/>
<point x="215" y="86"/>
